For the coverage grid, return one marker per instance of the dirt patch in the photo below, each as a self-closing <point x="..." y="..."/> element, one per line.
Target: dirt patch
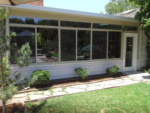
<point x="14" y="108"/>
<point x="110" y="109"/>
<point x="147" y="82"/>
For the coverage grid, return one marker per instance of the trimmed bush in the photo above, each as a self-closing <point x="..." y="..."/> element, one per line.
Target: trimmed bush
<point x="39" y="77"/>
<point x="112" y="70"/>
<point x="147" y="71"/>
<point x="82" y="72"/>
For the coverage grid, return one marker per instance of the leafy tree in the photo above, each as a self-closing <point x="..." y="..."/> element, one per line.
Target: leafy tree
<point x="8" y="82"/>
<point x="143" y="16"/>
<point x="116" y="6"/>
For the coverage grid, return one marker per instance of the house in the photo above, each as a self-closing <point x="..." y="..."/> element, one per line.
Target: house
<point x="62" y="40"/>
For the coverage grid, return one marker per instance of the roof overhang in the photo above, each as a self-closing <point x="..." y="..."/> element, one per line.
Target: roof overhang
<point x="69" y="12"/>
<point x="15" y="2"/>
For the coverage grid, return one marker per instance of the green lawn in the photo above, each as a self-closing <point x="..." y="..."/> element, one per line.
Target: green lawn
<point x="127" y="99"/>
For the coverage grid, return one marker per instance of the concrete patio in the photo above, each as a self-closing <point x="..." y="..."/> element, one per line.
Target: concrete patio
<point x="131" y="78"/>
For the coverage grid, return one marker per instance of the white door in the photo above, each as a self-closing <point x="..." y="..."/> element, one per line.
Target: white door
<point x="130" y="51"/>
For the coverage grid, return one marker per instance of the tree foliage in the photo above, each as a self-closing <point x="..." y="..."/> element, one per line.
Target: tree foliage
<point x="116" y="6"/>
<point x="143" y="16"/>
<point x="8" y="82"/>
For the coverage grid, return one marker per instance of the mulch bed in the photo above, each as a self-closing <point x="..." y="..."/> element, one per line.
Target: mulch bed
<point x="14" y="108"/>
<point x="77" y="80"/>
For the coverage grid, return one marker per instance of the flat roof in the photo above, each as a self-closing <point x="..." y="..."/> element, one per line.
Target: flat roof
<point x="72" y="12"/>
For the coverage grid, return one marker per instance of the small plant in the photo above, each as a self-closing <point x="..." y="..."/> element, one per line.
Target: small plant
<point x="147" y="71"/>
<point x="39" y="77"/>
<point x="48" y="54"/>
<point x="112" y="70"/>
<point x="82" y="72"/>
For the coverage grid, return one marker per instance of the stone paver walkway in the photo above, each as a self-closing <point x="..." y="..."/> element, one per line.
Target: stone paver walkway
<point x="131" y="78"/>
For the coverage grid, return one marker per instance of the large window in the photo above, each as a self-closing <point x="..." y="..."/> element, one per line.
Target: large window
<point x="131" y="28"/>
<point x="75" y="24"/>
<point x="69" y="41"/>
<point x="83" y="45"/>
<point x="106" y="26"/>
<point x="23" y="35"/>
<point x="47" y="45"/>
<point x="114" y="45"/>
<point x="34" y="21"/>
<point x="99" y="46"/>
<point x="68" y="45"/>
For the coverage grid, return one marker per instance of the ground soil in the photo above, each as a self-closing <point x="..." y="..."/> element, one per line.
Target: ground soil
<point x="77" y="80"/>
<point x="14" y="108"/>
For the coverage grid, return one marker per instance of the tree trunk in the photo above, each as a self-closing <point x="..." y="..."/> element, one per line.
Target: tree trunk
<point x="4" y="107"/>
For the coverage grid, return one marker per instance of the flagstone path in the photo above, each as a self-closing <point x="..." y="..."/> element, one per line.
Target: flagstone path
<point x="131" y="78"/>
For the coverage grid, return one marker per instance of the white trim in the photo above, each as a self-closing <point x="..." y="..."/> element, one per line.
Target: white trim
<point x="70" y="12"/>
<point x="67" y="62"/>
<point x="7" y="29"/>
<point x="59" y="44"/>
<point x="56" y="27"/>
<point x="134" y="57"/>
<point x="76" y="43"/>
<point x="107" y="45"/>
<point x="29" y="25"/>
<point x="91" y="41"/>
<point x="36" y="45"/>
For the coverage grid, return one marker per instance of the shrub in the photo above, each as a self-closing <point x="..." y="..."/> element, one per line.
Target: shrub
<point x="48" y="54"/>
<point x="112" y="70"/>
<point x="147" y="71"/>
<point x="39" y="77"/>
<point x="82" y="72"/>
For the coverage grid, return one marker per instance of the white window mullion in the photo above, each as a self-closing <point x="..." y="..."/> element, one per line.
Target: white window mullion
<point x="91" y="38"/>
<point x="59" y="43"/>
<point x="36" y="49"/>
<point x="107" y="45"/>
<point x="76" y="44"/>
<point x="7" y="30"/>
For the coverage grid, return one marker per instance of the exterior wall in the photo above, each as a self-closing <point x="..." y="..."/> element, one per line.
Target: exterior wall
<point x="143" y="49"/>
<point x="37" y="3"/>
<point x="66" y="70"/>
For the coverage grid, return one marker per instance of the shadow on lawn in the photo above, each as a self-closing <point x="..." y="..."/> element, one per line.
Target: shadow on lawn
<point x="34" y="108"/>
<point x="146" y="77"/>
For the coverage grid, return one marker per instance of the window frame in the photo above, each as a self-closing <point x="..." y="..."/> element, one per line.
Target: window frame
<point x="76" y="29"/>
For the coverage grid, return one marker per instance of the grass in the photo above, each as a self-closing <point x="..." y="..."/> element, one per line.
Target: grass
<point x="127" y="99"/>
<point x="55" y="54"/>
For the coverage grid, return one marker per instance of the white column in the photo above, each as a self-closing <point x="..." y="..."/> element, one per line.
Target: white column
<point x="7" y="29"/>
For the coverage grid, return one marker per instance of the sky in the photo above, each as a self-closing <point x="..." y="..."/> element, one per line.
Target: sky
<point x="95" y="6"/>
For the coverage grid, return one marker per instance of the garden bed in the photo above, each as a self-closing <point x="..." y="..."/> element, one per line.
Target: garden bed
<point x="75" y="81"/>
<point x="14" y="108"/>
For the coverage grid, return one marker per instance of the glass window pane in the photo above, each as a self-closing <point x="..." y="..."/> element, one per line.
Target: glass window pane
<point x="34" y="21"/>
<point x="99" y="45"/>
<point x="75" y="24"/>
<point x="23" y="35"/>
<point x="129" y="51"/>
<point x="47" y="45"/>
<point x="131" y="28"/>
<point x="68" y="45"/>
<point x="106" y="26"/>
<point x="83" y="45"/>
<point x="114" y="45"/>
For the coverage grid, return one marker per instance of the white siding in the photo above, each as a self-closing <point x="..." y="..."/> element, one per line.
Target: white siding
<point x="143" y="49"/>
<point x="66" y="70"/>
